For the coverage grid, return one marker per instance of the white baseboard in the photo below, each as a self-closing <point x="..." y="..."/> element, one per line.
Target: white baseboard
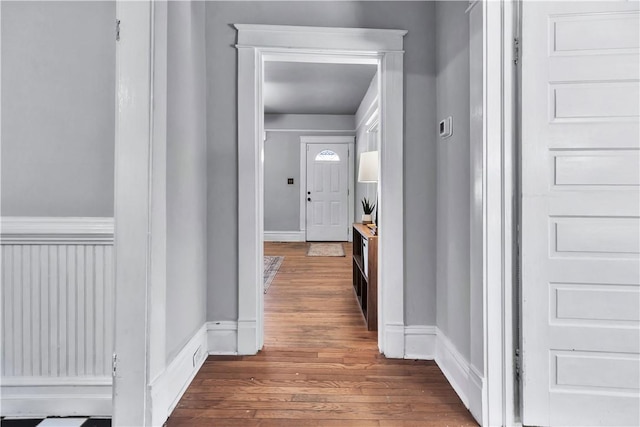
<point x="247" y="337"/>
<point x="222" y="337"/>
<point x="430" y="343"/>
<point x="168" y="387"/>
<point x="394" y="341"/>
<point x="476" y="387"/>
<point x="285" y="236"/>
<point x="420" y="342"/>
<point x="454" y="366"/>
<point x="55" y="396"/>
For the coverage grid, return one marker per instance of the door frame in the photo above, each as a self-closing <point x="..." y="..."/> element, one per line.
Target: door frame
<point x="495" y="199"/>
<point x="139" y="354"/>
<point x="138" y="346"/>
<point x="384" y="48"/>
<point x="326" y="139"/>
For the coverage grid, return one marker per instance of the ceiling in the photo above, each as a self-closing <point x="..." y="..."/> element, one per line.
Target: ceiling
<point x="308" y="88"/>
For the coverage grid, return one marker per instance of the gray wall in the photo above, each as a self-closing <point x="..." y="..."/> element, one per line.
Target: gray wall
<point x="186" y="174"/>
<point x="58" y="108"/>
<point x="366" y="141"/>
<point x="452" y="53"/>
<point x="282" y="161"/>
<point x="420" y="139"/>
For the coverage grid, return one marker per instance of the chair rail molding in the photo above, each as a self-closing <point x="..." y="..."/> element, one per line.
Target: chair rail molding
<point x="56" y="230"/>
<point x="258" y="44"/>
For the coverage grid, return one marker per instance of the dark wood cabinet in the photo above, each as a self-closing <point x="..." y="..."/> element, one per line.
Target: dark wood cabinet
<point x="365" y="273"/>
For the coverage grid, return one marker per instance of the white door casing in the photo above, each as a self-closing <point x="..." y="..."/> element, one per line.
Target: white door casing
<point x="140" y="212"/>
<point x="580" y="213"/>
<point x="327" y="192"/>
<point x="260" y="43"/>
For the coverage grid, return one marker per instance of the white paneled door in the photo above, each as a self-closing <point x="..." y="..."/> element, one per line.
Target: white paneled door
<point x="580" y="213"/>
<point x="327" y="192"/>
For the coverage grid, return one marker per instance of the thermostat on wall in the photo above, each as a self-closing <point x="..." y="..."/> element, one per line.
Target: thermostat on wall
<point x="446" y="127"/>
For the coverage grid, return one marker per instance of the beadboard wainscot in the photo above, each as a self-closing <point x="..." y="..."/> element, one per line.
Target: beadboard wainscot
<point x="57" y="315"/>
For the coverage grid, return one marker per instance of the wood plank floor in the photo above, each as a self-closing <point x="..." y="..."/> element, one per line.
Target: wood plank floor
<point x="319" y="366"/>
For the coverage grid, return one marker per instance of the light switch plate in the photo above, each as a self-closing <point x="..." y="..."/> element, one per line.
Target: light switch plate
<point x="446" y="127"/>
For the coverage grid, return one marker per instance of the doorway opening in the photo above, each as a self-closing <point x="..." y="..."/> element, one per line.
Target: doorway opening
<point x="259" y="44"/>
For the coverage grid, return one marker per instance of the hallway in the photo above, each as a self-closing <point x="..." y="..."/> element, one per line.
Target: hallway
<point x="319" y="366"/>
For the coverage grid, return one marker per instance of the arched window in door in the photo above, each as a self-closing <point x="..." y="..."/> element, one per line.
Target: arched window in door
<point x="327" y="156"/>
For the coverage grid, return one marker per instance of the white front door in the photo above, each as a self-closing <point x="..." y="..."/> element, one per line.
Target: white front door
<point x="580" y="214"/>
<point x="327" y="192"/>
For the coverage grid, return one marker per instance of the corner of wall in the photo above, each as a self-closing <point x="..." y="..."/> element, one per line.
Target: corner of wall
<point x="425" y="342"/>
<point x="168" y="387"/>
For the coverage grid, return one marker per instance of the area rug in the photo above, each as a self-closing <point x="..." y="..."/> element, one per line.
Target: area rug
<point x="325" y="249"/>
<point x="271" y="266"/>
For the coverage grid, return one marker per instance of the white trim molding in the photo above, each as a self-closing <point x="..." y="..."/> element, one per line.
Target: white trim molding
<point x="465" y="379"/>
<point x="477" y="386"/>
<point x="222" y="337"/>
<point x="498" y="220"/>
<point x="56" y="230"/>
<point x="258" y="44"/>
<point x="302" y="130"/>
<point x="284" y="236"/>
<point x="170" y="385"/>
<point x="431" y="343"/>
<point x="420" y="342"/>
<point x="454" y="366"/>
<point x="63" y="396"/>
<point x="324" y="38"/>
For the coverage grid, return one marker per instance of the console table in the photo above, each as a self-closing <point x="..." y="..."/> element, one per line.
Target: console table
<point x="365" y="273"/>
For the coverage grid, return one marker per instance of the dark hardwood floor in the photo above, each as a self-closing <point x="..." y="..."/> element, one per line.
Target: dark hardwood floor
<point x="319" y="366"/>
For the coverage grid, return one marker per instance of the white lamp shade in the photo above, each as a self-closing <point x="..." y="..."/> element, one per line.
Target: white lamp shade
<point x="368" y="168"/>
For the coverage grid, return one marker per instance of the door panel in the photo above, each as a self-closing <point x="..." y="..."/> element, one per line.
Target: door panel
<point x="327" y="183"/>
<point x="580" y="213"/>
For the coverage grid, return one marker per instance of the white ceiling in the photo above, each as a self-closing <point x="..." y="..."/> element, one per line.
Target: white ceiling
<point x="306" y="88"/>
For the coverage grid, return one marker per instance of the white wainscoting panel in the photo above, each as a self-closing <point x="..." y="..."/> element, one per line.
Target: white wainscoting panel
<point x="57" y="315"/>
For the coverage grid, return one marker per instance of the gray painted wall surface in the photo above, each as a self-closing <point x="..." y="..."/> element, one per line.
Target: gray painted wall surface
<point x="452" y="41"/>
<point x="419" y="150"/>
<point x="365" y="141"/>
<point x="186" y="174"/>
<point x="282" y="161"/>
<point x="58" y="108"/>
<point x="476" y="164"/>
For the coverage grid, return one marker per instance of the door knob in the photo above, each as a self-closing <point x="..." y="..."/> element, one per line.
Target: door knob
<point x="308" y="199"/>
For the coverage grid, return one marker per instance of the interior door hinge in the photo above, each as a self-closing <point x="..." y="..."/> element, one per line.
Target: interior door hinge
<point x="114" y="365"/>
<point x="516" y="361"/>
<point x="516" y="51"/>
<point x="117" y="30"/>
